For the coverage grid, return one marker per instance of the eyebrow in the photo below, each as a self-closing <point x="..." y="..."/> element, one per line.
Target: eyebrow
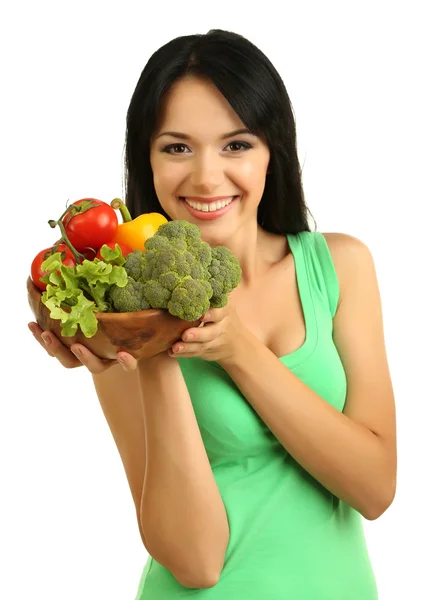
<point x="184" y="136"/>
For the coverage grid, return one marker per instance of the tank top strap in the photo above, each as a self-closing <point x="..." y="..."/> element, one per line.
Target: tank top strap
<point x="319" y="266"/>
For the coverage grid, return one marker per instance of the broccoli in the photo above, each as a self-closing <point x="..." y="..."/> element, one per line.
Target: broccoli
<point x="156" y="294"/>
<point x="129" y="298"/>
<point x="180" y="272"/>
<point x="134" y="264"/>
<point x="225" y="275"/>
<point x="180" y="230"/>
<point x="190" y="299"/>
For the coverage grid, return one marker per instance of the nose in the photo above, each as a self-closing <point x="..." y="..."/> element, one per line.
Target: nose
<point x="207" y="173"/>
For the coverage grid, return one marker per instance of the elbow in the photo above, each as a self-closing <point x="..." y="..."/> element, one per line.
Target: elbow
<point x="209" y="581"/>
<point x="196" y="576"/>
<point x="198" y="565"/>
<point x="201" y="576"/>
<point x="377" y="508"/>
<point x="189" y="581"/>
<point x="373" y="514"/>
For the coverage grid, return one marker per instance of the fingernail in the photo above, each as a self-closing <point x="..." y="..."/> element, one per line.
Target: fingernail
<point x="46" y="338"/>
<point x="32" y="328"/>
<point x="121" y="359"/>
<point x="76" y="352"/>
<point x="189" y="337"/>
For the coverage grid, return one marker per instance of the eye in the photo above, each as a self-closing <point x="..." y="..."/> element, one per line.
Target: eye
<point x="174" y="149"/>
<point x="240" y="146"/>
<point x="235" y="146"/>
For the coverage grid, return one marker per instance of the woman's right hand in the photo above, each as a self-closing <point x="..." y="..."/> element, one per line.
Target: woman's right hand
<point x="78" y="355"/>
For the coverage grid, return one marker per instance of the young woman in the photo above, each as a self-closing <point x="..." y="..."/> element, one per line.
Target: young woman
<point x="253" y="447"/>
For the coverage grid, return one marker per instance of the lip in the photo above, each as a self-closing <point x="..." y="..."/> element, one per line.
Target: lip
<point x="209" y="216"/>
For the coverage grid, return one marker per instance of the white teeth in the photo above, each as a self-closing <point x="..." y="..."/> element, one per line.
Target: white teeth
<point x="210" y="206"/>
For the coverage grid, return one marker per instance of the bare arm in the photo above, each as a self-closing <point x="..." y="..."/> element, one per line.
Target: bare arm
<point x="352" y="454"/>
<point x="183" y="514"/>
<point x="185" y="525"/>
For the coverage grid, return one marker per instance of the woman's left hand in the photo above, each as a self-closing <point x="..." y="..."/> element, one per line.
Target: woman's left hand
<point x="217" y="340"/>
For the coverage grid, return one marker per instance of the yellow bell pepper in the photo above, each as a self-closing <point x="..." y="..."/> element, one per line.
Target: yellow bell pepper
<point x="135" y="232"/>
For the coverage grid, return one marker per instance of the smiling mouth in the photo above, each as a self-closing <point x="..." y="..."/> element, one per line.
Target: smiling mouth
<point x="209" y="206"/>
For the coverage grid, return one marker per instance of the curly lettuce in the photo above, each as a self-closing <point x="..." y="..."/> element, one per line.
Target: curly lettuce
<point x="74" y="294"/>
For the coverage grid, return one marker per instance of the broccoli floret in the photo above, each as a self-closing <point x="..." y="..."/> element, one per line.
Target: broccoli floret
<point x="190" y="299"/>
<point x="188" y="257"/>
<point x="163" y="256"/>
<point x="192" y="255"/>
<point x="225" y="274"/>
<point x="129" y="298"/>
<point x="180" y="230"/>
<point x="156" y="294"/>
<point x="134" y="264"/>
<point x="181" y="273"/>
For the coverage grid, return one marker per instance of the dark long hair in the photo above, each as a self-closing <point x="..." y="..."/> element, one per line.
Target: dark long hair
<point x="255" y="90"/>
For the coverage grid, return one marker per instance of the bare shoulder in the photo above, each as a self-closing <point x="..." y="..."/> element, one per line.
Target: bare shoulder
<point x="350" y="256"/>
<point x="349" y="253"/>
<point x="344" y="244"/>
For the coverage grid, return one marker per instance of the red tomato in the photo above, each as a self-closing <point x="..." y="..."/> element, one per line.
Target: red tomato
<point x="90" y="223"/>
<point x="36" y="272"/>
<point x="125" y="249"/>
<point x="89" y="253"/>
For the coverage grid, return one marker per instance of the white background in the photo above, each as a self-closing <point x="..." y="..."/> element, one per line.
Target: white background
<point x="355" y="75"/>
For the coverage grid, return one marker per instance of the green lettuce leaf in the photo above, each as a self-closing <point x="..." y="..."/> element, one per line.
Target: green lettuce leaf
<point x="81" y="312"/>
<point x="112" y="256"/>
<point x="74" y="294"/>
<point x="96" y="277"/>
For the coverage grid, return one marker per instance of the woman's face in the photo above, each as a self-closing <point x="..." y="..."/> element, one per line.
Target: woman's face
<point x="207" y="169"/>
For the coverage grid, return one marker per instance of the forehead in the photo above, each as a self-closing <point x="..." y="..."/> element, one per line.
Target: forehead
<point x="193" y="103"/>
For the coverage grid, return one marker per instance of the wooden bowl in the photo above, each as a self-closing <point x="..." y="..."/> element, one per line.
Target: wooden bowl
<point x="142" y="334"/>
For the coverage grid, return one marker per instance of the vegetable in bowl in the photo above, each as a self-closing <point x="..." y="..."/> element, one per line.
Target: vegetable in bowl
<point x="140" y="303"/>
<point x="178" y="272"/>
<point x="75" y="293"/>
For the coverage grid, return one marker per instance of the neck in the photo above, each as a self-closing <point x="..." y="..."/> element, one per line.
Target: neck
<point x="255" y="250"/>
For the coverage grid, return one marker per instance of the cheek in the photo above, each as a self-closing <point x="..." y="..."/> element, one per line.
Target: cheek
<point x="252" y="175"/>
<point x="167" y="177"/>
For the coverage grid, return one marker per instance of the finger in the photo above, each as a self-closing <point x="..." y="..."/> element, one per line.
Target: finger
<point x="92" y="362"/>
<point x="214" y="315"/>
<point x="50" y="343"/>
<point x="187" y="349"/>
<point x="206" y="317"/>
<point x="127" y="361"/>
<point x="195" y="334"/>
<point x="75" y="356"/>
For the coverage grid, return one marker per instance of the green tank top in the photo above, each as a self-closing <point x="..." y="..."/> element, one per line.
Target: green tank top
<point x="290" y="538"/>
